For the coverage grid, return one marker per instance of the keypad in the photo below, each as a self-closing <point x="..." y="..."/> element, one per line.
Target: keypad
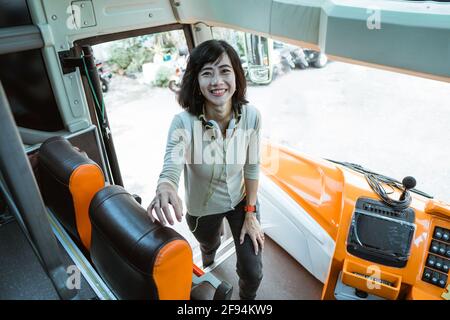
<point x="437" y="264"/>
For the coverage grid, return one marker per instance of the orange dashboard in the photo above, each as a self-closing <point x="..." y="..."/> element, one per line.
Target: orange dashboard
<point x="331" y="194"/>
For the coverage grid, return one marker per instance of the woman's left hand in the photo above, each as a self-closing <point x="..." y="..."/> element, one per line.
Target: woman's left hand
<point x="253" y="229"/>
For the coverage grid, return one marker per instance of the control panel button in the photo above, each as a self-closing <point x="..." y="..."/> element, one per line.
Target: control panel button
<point x="438" y="263"/>
<point x="431" y="261"/>
<point x="427" y="275"/>
<point x="446" y="236"/>
<point x="442" y="249"/>
<point x="435" y="278"/>
<point x="437" y="233"/>
<point x="445" y="266"/>
<point x="434" y="246"/>
<point x="442" y="281"/>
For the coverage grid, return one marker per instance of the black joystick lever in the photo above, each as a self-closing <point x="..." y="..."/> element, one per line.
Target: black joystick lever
<point x="409" y="183"/>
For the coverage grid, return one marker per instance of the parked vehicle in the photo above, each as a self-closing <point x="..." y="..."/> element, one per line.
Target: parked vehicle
<point x="104" y="74"/>
<point x="279" y="60"/>
<point x="315" y="58"/>
<point x="299" y="58"/>
<point x="293" y="57"/>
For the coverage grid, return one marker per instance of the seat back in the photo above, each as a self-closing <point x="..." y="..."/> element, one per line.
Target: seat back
<point x="69" y="181"/>
<point x="138" y="258"/>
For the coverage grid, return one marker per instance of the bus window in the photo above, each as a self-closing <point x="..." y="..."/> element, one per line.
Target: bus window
<point x="29" y="93"/>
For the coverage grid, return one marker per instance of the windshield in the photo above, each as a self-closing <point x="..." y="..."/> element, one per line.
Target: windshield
<point x="395" y="124"/>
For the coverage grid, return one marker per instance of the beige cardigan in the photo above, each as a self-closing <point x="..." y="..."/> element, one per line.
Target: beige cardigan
<point x="214" y="166"/>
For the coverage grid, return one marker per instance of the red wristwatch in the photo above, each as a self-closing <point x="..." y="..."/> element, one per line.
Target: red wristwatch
<point x="250" y="209"/>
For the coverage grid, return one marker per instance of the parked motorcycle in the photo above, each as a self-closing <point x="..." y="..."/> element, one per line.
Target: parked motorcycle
<point x="288" y="57"/>
<point x="304" y="58"/>
<point x="179" y="69"/>
<point x="299" y="58"/>
<point x="104" y="74"/>
<point x="315" y="59"/>
<point x="282" y="62"/>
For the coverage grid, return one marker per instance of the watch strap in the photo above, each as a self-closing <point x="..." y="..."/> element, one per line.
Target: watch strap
<point x="250" y="208"/>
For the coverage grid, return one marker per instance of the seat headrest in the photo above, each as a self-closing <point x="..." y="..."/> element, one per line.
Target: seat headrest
<point x="128" y="228"/>
<point x="59" y="156"/>
<point x="138" y="258"/>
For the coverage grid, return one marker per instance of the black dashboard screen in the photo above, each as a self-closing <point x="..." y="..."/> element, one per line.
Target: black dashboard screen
<point x="391" y="237"/>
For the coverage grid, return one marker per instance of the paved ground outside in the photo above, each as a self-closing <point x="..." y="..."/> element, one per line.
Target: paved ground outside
<point x="391" y="123"/>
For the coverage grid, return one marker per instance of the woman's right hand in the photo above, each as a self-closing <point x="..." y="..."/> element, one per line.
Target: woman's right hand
<point x="165" y="195"/>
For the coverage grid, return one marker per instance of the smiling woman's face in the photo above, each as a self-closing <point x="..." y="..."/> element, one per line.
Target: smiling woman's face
<point x="217" y="82"/>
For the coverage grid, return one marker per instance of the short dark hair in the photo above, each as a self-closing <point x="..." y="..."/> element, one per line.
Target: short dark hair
<point x="189" y="96"/>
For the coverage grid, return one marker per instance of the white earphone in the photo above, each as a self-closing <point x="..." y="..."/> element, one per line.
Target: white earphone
<point x="212" y="124"/>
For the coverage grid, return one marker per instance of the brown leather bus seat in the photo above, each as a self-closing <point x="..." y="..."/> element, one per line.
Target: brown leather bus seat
<point x="138" y="258"/>
<point x="69" y="181"/>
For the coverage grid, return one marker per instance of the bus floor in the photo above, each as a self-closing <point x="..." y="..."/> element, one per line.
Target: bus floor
<point x="22" y="277"/>
<point x="284" y="278"/>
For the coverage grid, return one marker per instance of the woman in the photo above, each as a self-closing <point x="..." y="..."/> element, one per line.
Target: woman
<point x="216" y="141"/>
